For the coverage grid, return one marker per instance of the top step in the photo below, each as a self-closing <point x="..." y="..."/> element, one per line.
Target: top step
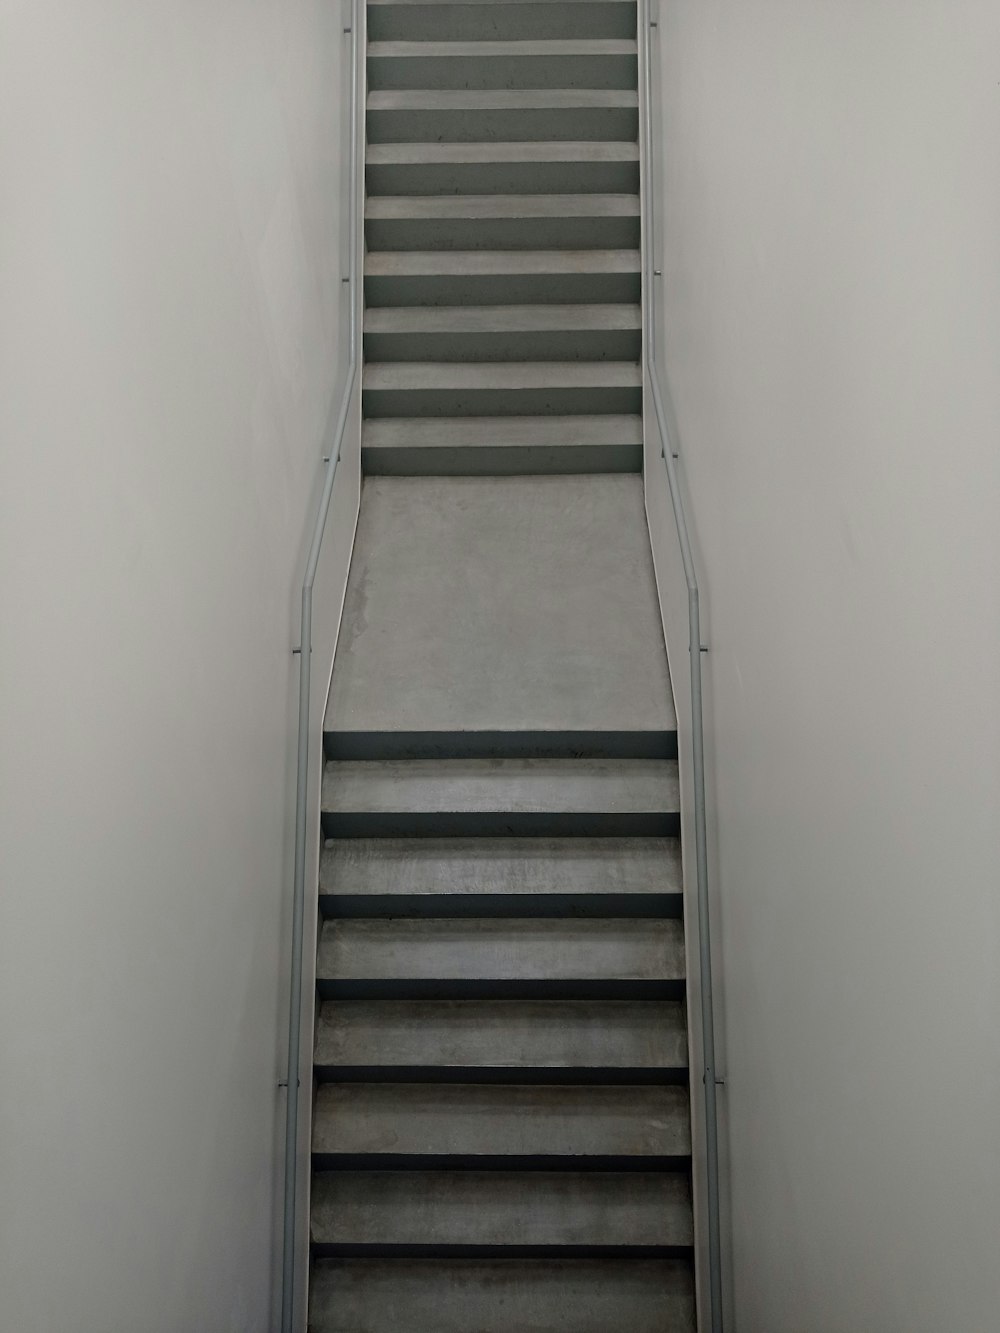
<point x="497" y="20"/>
<point x="578" y="63"/>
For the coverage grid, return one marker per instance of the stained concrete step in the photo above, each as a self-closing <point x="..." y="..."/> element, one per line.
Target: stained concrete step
<point x="502" y="1041"/>
<point x="538" y="958"/>
<point x="508" y="446"/>
<point x="484" y="20"/>
<point x="501" y="277"/>
<point x="490" y="797"/>
<point x="503" y="222"/>
<point x="432" y="640"/>
<point x="564" y="63"/>
<point x="555" y="166"/>
<point x="508" y="388"/>
<point x="442" y="877"/>
<point x="501" y="1296"/>
<point x="492" y="1213"/>
<point x="605" y="332"/>
<point x="485" y="115"/>
<point x="384" y="1126"/>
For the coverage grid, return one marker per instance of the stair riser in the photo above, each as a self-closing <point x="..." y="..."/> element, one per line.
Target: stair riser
<point x="500" y="22"/>
<point x="499" y="126"/>
<point x="502" y="289"/>
<point x="496" y="460"/>
<point x="575" y="177"/>
<point x="502" y="71"/>
<point x="527" y="233"/>
<point x="549" y="345"/>
<point x="656" y="906"/>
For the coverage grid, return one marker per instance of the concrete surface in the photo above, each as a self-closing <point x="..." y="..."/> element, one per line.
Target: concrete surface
<point x="516" y="950"/>
<point x="434" y="1120"/>
<point x="500" y="1208"/>
<point x="503" y="222"/>
<point x="480" y="20"/>
<point x="501" y="446"/>
<point x="503" y="604"/>
<point x="525" y="1036"/>
<point x="500" y="277"/>
<point x="563" y="63"/>
<point x="501" y="1296"/>
<point x="502" y="114"/>
<point x="525" y="867"/>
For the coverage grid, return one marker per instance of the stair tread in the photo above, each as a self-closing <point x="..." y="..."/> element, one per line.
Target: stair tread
<point x="521" y="150"/>
<point x="409" y="206"/>
<point x="472" y="1120"/>
<point x="471" y="1035"/>
<point x="501" y="1295"/>
<point x="502" y="785"/>
<point x="482" y="432"/>
<point x="498" y="99"/>
<point x="427" y="375"/>
<point x="500" y="1208"/>
<point x="498" y="949"/>
<point x="506" y="318"/>
<point x="552" y="46"/>
<point x="527" y="866"/>
<point x="391" y="263"/>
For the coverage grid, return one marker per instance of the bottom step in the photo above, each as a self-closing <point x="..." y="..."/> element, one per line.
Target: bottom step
<point x="501" y="1296"/>
<point x="478" y="446"/>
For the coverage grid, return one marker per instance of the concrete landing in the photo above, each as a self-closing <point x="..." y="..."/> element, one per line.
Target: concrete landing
<point x="501" y="604"/>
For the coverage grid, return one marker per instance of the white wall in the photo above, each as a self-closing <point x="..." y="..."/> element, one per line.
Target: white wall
<point x="832" y="294"/>
<point x="170" y="338"/>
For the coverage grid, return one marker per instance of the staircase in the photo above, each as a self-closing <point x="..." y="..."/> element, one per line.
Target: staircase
<point x="501" y="1129"/>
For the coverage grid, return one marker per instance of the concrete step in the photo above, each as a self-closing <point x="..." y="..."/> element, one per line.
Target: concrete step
<point x="502" y="1041"/>
<point x="435" y="638"/>
<point x="508" y="446"/>
<point x="490" y="797"/>
<point x="552" y="167"/>
<point x="604" y="332"/>
<point x="501" y="1296"/>
<point x="538" y="958"/>
<point x="420" y="1126"/>
<point x="566" y="63"/>
<point x="503" y="222"/>
<point x="508" y="388"/>
<point x="490" y="115"/>
<point x="485" y="20"/>
<point x="492" y="1213"/>
<point x="501" y="277"/>
<point x="442" y="877"/>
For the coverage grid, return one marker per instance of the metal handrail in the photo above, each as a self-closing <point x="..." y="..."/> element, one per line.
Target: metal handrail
<point x="304" y="651"/>
<point x="667" y="453"/>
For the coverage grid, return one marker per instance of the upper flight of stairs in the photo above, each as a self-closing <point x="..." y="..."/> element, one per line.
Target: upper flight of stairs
<point x="502" y="275"/>
<point x="501" y="1134"/>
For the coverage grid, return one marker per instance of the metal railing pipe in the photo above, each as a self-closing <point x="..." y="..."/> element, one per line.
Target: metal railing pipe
<point x="289" y="1250"/>
<point x="647" y="24"/>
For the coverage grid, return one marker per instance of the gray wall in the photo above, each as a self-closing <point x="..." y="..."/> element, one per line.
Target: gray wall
<point x="832" y="286"/>
<point x="170" y="333"/>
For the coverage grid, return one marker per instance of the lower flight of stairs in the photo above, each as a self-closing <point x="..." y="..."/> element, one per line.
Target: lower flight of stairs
<point x="501" y="1134"/>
